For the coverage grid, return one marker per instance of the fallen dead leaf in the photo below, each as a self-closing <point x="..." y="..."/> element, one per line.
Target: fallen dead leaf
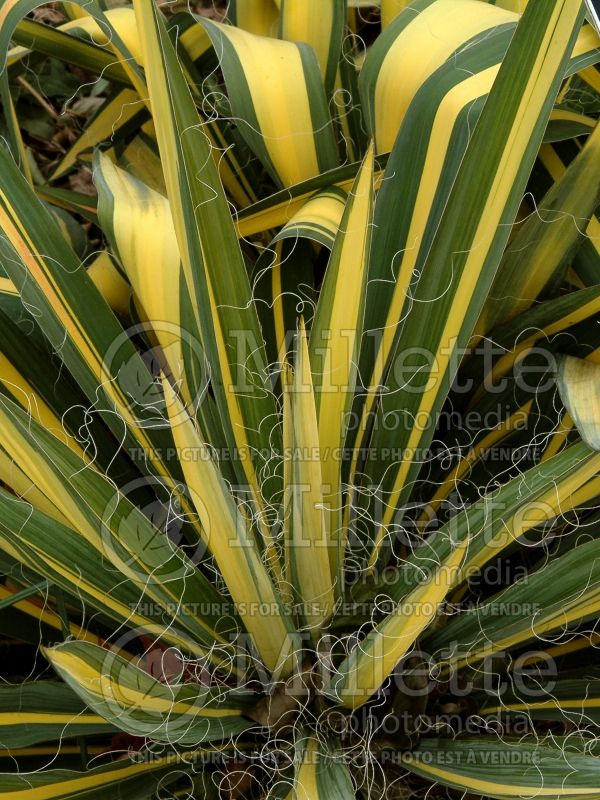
<point x="81" y="181"/>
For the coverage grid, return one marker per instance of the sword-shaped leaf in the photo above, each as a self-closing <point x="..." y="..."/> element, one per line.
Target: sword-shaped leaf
<point x="307" y="536"/>
<point x="217" y="282"/>
<point x="373" y="659"/>
<point x="456" y="272"/>
<point x="116" y="530"/>
<point x="504" y="767"/>
<point x="228" y="536"/>
<point x="275" y="87"/>
<point x="45" y="711"/>
<point x="557" y="596"/>
<point x="321" y="25"/>
<point x="132" y="778"/>
<point x="538" y="256"/>
<point x="76" y="319"/>
<point x="176" y="713"/>
<point x="335" y="341"/>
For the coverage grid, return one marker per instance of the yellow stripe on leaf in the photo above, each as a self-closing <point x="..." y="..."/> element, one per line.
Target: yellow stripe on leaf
<point x="390" y="10"/>
<point x="481" y="238"/>
<point x="255" y="16"/>
<point x="127" y="695"/>
<point x="110" y="283"/>
<point x="308" y="536"/>
<point x="319" y="218"/>
<point x="227" y="536"/>
<point x="274" y="89"/>
<point x="141" y="226"/>
<point x="320" y="25"/>
<point x="374" y="658"/>
<point x="420" y="48"/>
<point x="579" y="384"/>
<point x="335" y="341"/>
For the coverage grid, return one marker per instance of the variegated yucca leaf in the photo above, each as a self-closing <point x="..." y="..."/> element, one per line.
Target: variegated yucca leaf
<point x="574" y="697"/>
<point x="320" y="772"/>
<point x="218" y="299"/>
<point x="287" y="123"/>
<point x="459" y="261"/>
<point x="515" y="768"/>
<point x="233" y="544"/>
<point x="299" y="430"/>
<point x="134" y="701"/>
<point x="538" y="254"/>
<point x="138" y="779"/>
<point x="45" y="711"/>
<point x="308" y="536"/>
<point x="481" y="632"/>
<point x="335" y="340"/>
<point x="373" y="659"/>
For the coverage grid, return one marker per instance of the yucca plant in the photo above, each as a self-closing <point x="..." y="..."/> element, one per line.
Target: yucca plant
<point x="299" y="428"/>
